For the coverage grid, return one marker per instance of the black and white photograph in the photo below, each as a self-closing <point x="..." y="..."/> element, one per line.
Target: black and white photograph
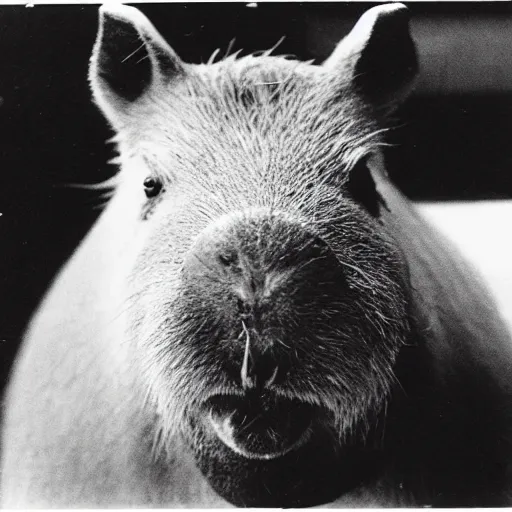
<point x="255" y="254"/>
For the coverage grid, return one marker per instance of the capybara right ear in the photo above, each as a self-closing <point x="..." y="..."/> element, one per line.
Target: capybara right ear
<point x="129" y="59"/>
<point x="378" y="56"/>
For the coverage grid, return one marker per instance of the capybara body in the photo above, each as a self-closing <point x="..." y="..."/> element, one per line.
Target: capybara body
<point x="258" y="318"/>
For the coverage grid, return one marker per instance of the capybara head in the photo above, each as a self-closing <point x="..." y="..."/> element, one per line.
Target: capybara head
<point x="268" y="302"/>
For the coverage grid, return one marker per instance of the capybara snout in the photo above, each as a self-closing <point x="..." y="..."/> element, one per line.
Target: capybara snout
<point x="270" y="305"/>
<point x="256" y="274"/>
<point x="258" y="258"/>
<point x="258" y="242"/>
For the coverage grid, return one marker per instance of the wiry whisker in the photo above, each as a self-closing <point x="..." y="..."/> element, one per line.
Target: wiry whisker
<point x="230" y="48"/>
<point x="213" y="56"/>
<point x="142" y="46"/>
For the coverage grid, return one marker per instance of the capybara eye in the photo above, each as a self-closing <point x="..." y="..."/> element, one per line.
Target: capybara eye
<point x="152" y="186"/>
<point x="362" y="188"/>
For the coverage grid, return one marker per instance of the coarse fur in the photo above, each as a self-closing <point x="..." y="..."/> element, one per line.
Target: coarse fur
<point x="275" y="325"/>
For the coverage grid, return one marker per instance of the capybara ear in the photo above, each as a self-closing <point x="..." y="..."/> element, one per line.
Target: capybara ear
<point x="129" y="59"/>
<point x="378" y="56"/>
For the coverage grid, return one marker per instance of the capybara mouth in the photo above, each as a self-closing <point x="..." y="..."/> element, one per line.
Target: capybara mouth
<point x="257" y="427"/>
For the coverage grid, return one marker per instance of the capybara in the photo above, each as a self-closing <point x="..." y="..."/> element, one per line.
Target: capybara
<point x="259" y="317"/>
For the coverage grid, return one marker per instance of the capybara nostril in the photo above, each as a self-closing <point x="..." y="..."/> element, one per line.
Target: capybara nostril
<point x="228" y="258"/>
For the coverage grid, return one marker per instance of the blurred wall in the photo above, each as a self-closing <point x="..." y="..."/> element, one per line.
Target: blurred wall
<point x="451" y="140"/>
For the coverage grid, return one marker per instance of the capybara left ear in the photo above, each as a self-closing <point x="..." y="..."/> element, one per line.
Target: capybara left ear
<point x="378" y="56"/>
<point x="129" y="58"/>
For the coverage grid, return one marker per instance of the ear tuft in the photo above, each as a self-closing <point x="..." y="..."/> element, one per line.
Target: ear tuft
<point x="379" y="56"/>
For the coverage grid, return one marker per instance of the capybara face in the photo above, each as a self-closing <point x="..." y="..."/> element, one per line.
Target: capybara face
<point x="267" y="303"/>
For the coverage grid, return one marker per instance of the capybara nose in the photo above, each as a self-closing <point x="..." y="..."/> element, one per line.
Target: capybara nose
<point x="257" y="251"/>
<point x="254" y="278"/>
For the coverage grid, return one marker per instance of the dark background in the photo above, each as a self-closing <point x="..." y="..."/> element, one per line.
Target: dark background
<point x="453" y="138"/>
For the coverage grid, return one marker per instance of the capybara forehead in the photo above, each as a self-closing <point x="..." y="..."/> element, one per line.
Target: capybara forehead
<point x="248" y="113"/>
<point x="258" y="69"/>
